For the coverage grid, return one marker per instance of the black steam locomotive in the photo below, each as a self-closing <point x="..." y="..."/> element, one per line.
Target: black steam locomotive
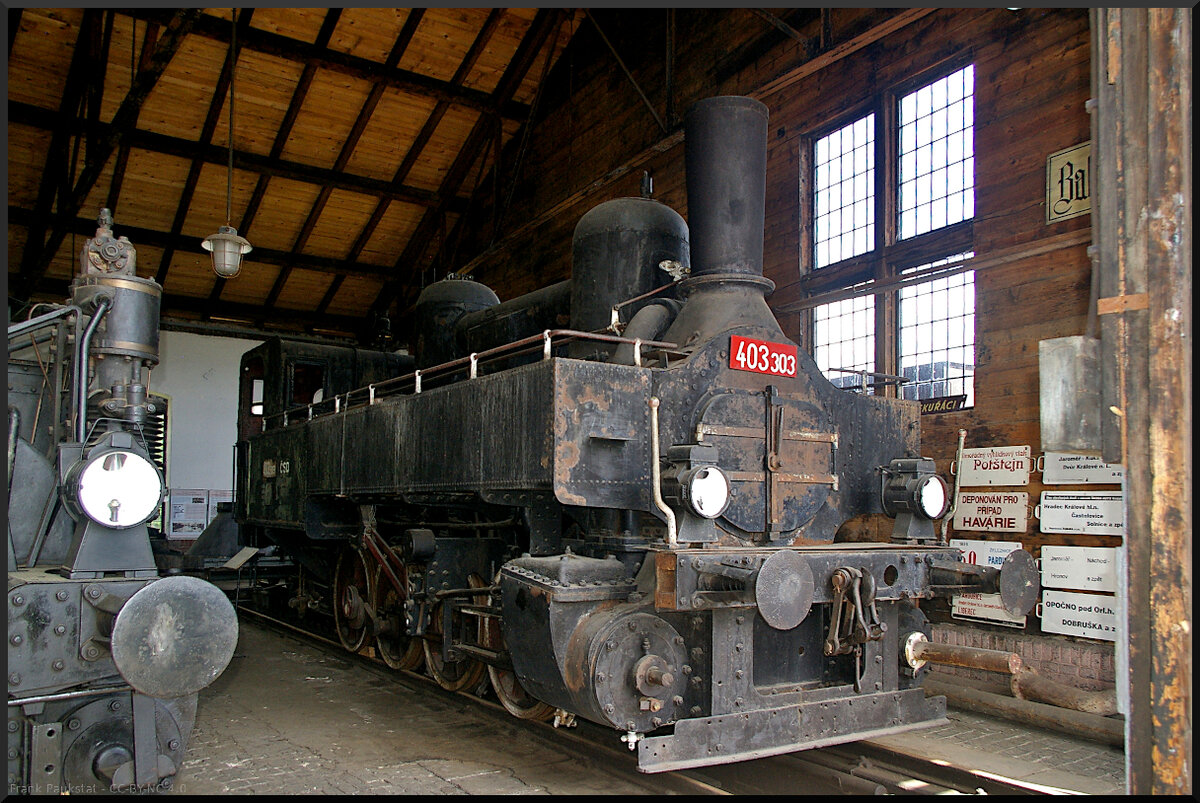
<point x="639" y="529"/>
<point x="105" y="658"/>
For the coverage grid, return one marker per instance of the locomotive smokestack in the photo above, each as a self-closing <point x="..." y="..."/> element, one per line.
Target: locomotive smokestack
<point x="725" y="152"/>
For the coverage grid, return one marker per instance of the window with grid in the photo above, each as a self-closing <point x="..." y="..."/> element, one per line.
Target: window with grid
<point x="929" y="197"/>
<point x="937" y="335"/>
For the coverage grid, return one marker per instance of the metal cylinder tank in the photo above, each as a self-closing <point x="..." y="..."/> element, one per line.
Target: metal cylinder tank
<point x="618" y="249"/>
<point x="438" y="311"/>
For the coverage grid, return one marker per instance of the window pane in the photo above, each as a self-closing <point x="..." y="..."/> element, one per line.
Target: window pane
<point x="844" y="170"/>
<point x="937" y="335"/>
<point x="844" y="337"/>
<point x="937" y="171"/>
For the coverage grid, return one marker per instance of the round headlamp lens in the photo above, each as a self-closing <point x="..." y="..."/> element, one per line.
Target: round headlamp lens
<point x="119" y="489"/>
<point x="708" y="492"/>
<point x="931" y="497"/>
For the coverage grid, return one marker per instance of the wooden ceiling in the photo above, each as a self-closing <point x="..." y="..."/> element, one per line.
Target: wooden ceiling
<point x="359" y="137"/>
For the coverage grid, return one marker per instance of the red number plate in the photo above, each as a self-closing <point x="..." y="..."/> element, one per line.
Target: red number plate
<point x="762" y="357"/>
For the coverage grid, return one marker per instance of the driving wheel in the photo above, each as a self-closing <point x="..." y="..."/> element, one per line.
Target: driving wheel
<point x="351" y="595"/>
<point x="451" y="675"/>
<point x="397" y="649"/>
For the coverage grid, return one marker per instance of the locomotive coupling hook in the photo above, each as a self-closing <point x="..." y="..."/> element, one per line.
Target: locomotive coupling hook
<point x="656" y="476"/>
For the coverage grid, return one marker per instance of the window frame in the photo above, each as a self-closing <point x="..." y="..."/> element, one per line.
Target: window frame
<point x="884" y="265"/>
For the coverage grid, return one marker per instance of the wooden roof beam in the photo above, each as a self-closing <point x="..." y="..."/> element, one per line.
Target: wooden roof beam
<point x="522" y="61"/>
<point x="26" y="114"/>
<point x="124" y="121"/>
<point x="348" y="146"/>
<point x="328" y="25"/>
<point x="371" y="71"/>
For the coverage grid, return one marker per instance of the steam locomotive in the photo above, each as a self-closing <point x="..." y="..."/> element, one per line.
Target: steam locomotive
<point x="632" y="518"/>
<point x="105" y="658"/>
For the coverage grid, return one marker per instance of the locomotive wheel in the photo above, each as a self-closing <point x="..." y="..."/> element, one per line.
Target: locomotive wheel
<point x="508" y="689"/>
<point x="351" y="595"/>
<point x="397" y="649"/>
<point x="451" y="675"/>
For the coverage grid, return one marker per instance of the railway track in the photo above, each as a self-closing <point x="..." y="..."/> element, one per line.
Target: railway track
<point x="851" y="769"/>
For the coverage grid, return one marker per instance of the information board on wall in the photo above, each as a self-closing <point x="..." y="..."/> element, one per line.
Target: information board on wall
<point x="214" y="498"/>
<point x="1088" y="615"/>
<point x="996" y="465"/>
<point x="984" y="607"/>
<point x="1086" y="512"/>
<point x="189" y="512"/>
<point x="992" y="511"/>
<point x="1060" y="468"/>
<point x="1084" y="568"/>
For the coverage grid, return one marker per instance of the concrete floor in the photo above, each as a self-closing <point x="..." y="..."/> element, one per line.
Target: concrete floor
<point x="285" y="719"/>
<point x="288" y="717"/>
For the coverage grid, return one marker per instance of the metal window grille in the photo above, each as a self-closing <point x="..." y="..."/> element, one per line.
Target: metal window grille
<point x="937" y="335"/>
<point x="937" y="154"/>
<point x="844" y="193"/>
<point x="844" y="337"/>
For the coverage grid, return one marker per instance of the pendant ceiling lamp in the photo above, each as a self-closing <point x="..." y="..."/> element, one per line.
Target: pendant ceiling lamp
<point x="226" y="246"/>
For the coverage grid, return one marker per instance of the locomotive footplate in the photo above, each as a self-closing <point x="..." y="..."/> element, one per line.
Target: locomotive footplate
<point x="766" y="732"/>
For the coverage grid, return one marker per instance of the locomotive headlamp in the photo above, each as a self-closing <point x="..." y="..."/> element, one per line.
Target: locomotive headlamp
<point x="915" y="496"/>
<point x="910" y="486"/>
<point x="118" y="488"/>
<point x="705" y="491"/>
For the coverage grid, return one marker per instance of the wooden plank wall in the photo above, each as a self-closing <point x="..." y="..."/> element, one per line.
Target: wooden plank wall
<point x="1031" y="84"/>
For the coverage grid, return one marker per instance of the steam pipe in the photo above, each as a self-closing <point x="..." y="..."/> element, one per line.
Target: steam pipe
<point x="81" y="367"/>
<point x="656" y="476"/>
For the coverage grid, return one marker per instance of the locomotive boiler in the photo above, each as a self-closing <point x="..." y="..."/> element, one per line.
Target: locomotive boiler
<point x="619" y="497"/>
<point x="105" y="658"/>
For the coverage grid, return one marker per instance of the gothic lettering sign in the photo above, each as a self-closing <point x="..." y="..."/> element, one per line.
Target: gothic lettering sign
<point x="1069" y="183"/>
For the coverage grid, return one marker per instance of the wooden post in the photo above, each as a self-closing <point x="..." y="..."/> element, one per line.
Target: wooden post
<point x="1142" y="129"/>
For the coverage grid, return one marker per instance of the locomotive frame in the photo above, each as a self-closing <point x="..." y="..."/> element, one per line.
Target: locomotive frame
<point x="639" y="529"/>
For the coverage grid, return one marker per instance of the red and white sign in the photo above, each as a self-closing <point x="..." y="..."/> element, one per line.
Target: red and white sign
<point x="992" y="512"/>
<point x="984" y="607"/>
<point x="761" y="356"/>
<point x="996" y="465"/>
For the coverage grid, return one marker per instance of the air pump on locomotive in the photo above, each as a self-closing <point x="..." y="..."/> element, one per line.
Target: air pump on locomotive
<point x="640" y="530"/>
<point x="105" y="658"/>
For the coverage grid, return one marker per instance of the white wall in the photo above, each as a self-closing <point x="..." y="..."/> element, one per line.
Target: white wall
<point x="200" y="376"/>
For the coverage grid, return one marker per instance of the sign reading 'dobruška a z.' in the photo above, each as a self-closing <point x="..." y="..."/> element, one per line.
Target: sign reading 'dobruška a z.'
<point x="1088" y="512"/>
<point x="1088" y="615"/>
<point x="994" y="465"/>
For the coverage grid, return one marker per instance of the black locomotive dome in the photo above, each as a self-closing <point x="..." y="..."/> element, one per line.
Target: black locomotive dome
<point x="455" y="290"/>
<point x="632" y="214"/>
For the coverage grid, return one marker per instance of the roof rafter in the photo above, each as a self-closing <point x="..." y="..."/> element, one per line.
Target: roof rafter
<point x="371" y="71"/>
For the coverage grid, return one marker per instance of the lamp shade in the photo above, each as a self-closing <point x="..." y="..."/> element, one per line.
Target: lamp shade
<point x="227" y="249"/>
